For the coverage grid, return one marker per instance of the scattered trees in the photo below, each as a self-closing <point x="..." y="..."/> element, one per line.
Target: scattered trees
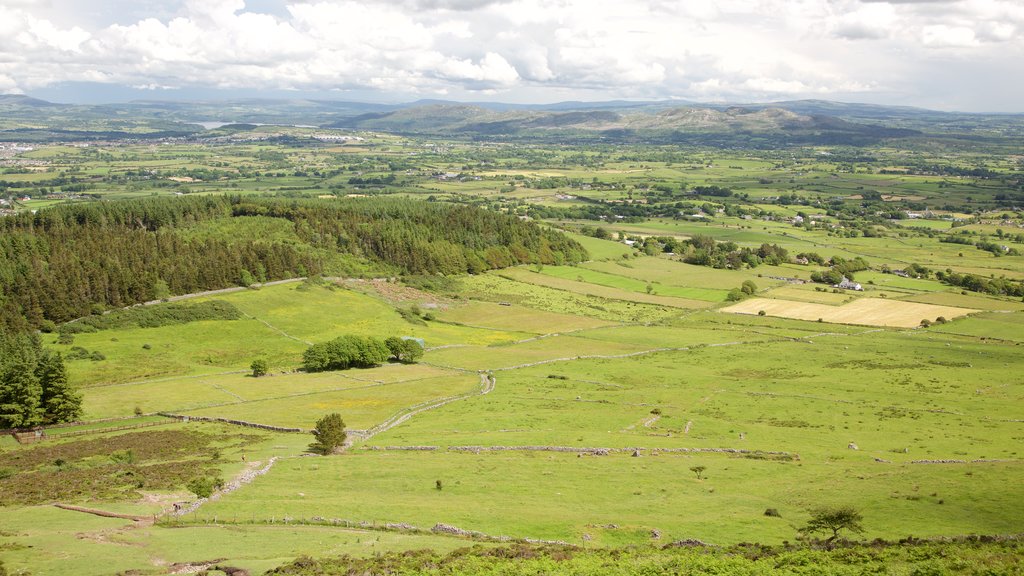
<point x="329" y="434"/>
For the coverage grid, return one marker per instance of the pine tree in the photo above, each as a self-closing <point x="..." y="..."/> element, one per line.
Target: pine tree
<point x="59" y="400"/>
<point x="20" y="394"/>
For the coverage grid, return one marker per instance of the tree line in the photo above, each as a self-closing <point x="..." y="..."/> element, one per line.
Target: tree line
<point x="62" y="262"/>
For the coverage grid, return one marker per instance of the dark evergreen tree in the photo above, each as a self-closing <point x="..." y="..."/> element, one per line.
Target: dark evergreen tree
<point x="59" y="400"/>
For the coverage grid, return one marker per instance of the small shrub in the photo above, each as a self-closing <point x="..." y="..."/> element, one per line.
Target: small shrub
<point x="925" y="323"/>
<point x="438" y="485"/>
<point x="557" y="377"/>
<point x="656" y="411"/>
<point x="259" y="367"/>
<point x="761" y="313"/>
<point x="138" y="411"/>
<point x="7" y="472"/>
<point x="97" y="356"/>
<point x="66" y="338"/>
<point x="147" y="346"/>
<point x="122" y="457"/>
<point x="77" y="353"/>
<point x="204" y="487"/>
<point x="773" y="512"/>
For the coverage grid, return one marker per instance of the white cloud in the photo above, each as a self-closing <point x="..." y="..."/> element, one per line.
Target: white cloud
<point x="530" y="49"/>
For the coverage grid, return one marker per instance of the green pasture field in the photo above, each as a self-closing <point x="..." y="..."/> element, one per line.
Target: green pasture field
<point x="363" y="406"/>
<point x="533" y="350"/>
<point x="619" y="500"/>
<point x="340" y="311"/>
<point x="624" y="282"/>
<point x="48" y="540"/>
<point x="602" y="249"/>
<point x="587" y="288"/>
<point x="495" y="288"/>
<point x="993" y="325"/>
<point x="179" y="394"/>
<point x="496" y="316"/>
<point x="967" y="300"/>
<point x="931" y="224"/>
<point x="664" y="270"/>
<point x="919" y="429"/>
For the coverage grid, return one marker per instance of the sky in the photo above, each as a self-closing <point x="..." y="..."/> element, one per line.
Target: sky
<point x="965" y="55"/>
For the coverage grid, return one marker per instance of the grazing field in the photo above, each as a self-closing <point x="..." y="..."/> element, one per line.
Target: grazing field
<point x="865" y="311"/>
<point x="636" y="399"/>
<point x="582" y="287"/>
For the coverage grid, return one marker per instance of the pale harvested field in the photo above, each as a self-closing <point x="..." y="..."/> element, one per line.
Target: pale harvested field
<point x="866" y="311"/>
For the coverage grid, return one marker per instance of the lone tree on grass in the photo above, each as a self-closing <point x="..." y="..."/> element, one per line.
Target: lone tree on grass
<point x="834" y="520"/>
<point x="699" y="471"/>
<point x="329" y="433"/>
<point x="259" y="368"/>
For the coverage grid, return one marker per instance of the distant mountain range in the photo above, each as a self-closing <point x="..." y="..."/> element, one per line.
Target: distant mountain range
<point x="760" y="124"/>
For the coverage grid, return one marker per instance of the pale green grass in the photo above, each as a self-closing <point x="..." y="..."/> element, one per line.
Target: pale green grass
<point x="531" y="277"/>
<point x="188" y="393"/>
<point x="361" y="407"/>
<point x="968" y="300"/>
<point x="602" y="249"/>
<point x="988" y="325"/>
<point x="319" y="314"/>
<point x="561" y="496"/>
<point x="536" y="350"/>
<point x="623" y="282"/>
<point x="195" y="348"/>
<point x="48" y="540"/>
<point x="498" y="289"/>
<point x="662" y="270"/>
<point x="519" y="318"/>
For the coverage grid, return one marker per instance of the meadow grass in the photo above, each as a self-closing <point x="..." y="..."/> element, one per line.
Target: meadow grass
<point x="618" y="500"/>
<point x="495" y="288"/>
<point x="519" y="318"/>
<point x="583" y="287"/>
<point x="624" y="282"/>
<point x="362" y="407"/>
<point x="662" y="270"/>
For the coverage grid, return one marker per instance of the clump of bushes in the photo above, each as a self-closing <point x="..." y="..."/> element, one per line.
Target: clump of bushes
<point x="205" y="486"/>
<point x="352" y="351"/>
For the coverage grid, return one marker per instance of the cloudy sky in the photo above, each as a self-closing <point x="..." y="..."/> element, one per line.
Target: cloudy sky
<point x="943" y="54"/>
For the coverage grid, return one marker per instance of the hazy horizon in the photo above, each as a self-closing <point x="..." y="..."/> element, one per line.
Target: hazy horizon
<point x="949" y="55"/>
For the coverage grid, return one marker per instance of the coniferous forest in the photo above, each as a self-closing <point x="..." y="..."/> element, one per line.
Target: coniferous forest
<point x="69" y="261"/>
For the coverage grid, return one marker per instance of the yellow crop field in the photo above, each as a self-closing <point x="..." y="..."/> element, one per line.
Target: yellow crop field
<point x="866" y="311"/>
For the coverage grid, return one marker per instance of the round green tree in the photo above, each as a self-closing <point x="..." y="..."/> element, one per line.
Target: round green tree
<point x="329" y="434"/>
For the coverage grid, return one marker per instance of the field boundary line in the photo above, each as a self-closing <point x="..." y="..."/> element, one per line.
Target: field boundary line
<point x="246" y="477"/>
<point x="487" y="384"/>
<point x="276" y="329"/>
<point x="102" y="513"/>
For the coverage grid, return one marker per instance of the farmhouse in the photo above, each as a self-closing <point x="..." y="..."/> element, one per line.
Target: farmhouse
<point x="847" y="284"/>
